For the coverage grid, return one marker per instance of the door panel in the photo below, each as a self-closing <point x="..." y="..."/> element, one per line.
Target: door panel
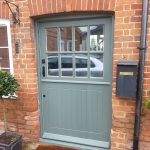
<point x="77" y="110"/>
<point x="75" y="89"/>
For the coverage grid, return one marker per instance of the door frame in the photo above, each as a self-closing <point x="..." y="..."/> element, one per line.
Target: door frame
<point x="67" y="17"/>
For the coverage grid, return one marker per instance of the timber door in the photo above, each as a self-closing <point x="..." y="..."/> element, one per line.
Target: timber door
<point x="75" y="75"/>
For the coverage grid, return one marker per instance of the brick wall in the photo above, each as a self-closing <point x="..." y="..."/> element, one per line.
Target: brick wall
<point x="22" y="114"/>
<point x="25" y="72"/>
<point x="126" y="40"/>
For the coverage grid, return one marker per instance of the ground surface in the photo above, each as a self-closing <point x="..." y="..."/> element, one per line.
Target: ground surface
<point x="28" y="145"/>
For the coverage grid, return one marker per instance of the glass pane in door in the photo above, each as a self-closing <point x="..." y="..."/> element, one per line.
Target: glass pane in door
<point x="52" y="38"/>
<point x="96" y="38"/>
<point x="96" y="65"/>
<point x="81" y="35"/>
<point x="81" y="65"/>
<point x="76" y="51"/>
<point x="53" y="65"/>
<point x="66" y="39"/>
<point x="67" y="65"/>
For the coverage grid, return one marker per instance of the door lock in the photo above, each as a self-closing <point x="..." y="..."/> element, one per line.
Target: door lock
<point x="43" y="61"/>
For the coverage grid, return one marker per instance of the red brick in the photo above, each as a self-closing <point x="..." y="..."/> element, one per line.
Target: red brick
<point x="4" y="11"/>
<point x="44" y="6"/>
<point x="89" y="4"/>
<point x="78" y="5"/>
<point x="53" y="2"/>
<point x="101" y="4"/>
<point x="59" y="8"/>
<point x="64" y="5"/>
<point x="106" y="4"/>
<point x="135" y="19"/>
<point x="34" y="7"/>
<point x="112" y="4"/>
<point x="95" y="4"/>
<point x="136" y="6"/>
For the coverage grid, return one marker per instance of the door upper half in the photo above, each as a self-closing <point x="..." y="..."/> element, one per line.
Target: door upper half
<point x="76" y="50"/>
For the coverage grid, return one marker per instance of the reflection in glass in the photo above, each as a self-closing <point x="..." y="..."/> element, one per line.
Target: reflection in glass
<point x="4" y="58"/>
<point x="3" y="36"/>
<point x="52" y="36"/>
<point x="66" y="39"/>
<point x="81" y="38"/>
<point x="96" y="38"/>
<point x="7" y="70"/>
<point x="53" y="69"/>
<point x="81" y="64"/>
<point x="67" y="65"/>
<point x="96" y="65"/>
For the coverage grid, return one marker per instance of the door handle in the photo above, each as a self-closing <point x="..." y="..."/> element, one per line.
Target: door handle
<point x="43" y="71"/>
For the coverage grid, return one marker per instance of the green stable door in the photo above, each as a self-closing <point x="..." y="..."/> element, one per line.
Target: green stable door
<point x="75" y="76"/>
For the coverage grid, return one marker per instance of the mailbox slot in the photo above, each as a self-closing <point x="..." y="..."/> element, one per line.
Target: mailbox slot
<point x="126" y="82"/>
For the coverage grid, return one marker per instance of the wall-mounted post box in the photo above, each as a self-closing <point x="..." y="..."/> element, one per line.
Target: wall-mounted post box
<point x="126" y="82"/>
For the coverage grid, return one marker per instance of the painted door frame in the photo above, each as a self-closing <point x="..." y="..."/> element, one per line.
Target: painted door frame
<point x="64" y="18"/>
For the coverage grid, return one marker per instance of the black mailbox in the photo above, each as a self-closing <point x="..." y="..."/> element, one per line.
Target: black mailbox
<point x="126" y="83"/>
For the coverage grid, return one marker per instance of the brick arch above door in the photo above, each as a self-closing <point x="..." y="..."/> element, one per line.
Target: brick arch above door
<point x="43" y="7"/>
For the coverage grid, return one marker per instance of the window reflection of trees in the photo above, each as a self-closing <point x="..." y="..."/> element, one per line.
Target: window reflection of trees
<point x="96" y="38"/>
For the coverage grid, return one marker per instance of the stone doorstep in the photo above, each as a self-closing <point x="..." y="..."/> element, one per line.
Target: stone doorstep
<point x="28" y="145"/>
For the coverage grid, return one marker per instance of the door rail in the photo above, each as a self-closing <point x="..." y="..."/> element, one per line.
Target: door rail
<point x="68" y="81"/>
